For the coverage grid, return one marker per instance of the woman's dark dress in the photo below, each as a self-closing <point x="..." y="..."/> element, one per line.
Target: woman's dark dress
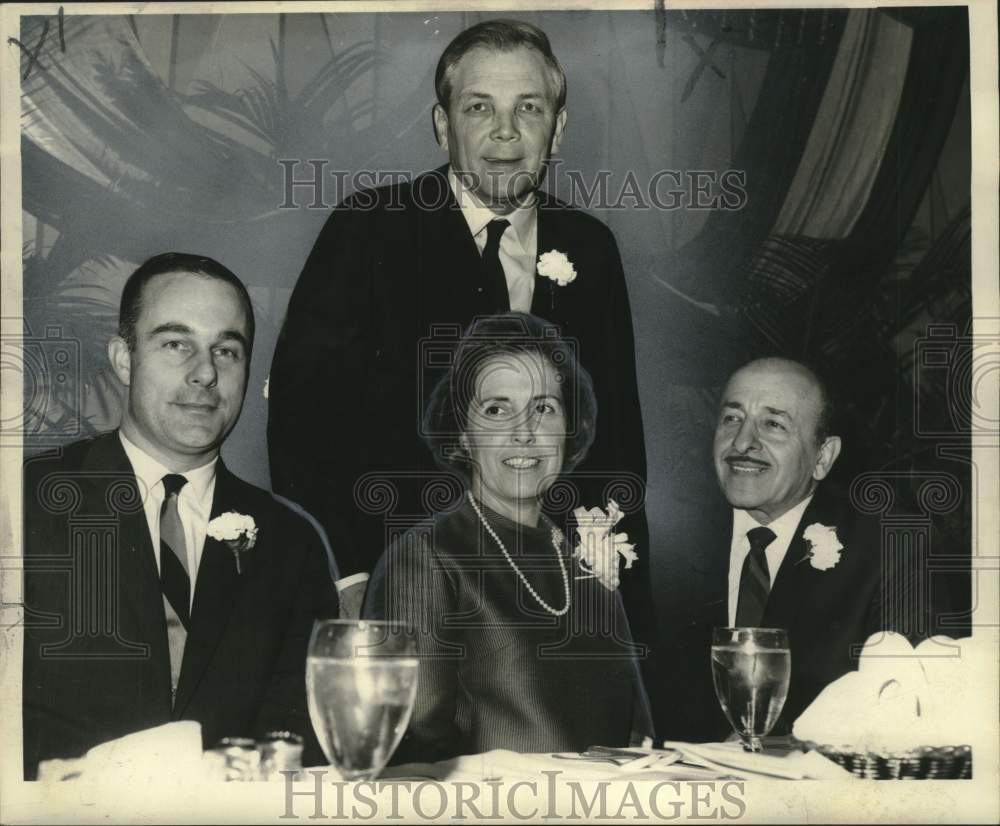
<point x="497" y="670"/>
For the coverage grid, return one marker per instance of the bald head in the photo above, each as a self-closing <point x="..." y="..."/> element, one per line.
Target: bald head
<point x="801" y="375"/>
<point x="771" y="442"/>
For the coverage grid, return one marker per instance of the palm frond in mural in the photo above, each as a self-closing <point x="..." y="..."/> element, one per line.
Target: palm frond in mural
<point x="290" y="126"/>
<point x="101" y="127"/>
<point x="69" y="391"/>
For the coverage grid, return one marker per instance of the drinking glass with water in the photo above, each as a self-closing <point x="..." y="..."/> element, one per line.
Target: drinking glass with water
<point x="361" y="682"/>
<point x="751" y="669"/>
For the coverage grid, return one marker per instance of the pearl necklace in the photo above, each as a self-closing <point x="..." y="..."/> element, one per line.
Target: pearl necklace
<point x="558" y="612"/>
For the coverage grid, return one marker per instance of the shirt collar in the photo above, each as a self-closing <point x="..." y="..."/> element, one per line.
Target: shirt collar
<point x="148" y="471"/>
<point x="477" y="216"/>
<point x="783" y="526"/>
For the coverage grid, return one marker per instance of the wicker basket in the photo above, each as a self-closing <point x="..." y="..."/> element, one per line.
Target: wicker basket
<point x="924" y="763"/>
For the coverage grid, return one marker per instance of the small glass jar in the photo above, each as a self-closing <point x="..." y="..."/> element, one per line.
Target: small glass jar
<point x="240" y="757"/>
<point x="280" y="751"/>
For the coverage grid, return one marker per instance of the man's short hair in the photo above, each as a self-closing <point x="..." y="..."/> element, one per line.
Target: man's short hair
<point x="499" y="36"/>
<point x="826" y="423"/>
<point x="170" y="262"/>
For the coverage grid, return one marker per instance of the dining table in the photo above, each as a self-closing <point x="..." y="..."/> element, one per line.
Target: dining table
<point x="165" y="770"/>
<point x="781" y="759"/>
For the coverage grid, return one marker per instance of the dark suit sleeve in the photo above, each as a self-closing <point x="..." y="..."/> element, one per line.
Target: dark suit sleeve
<point x="311" y="595"/>
<point x="620" y="417"/>
<point x="410" y="585"/>
<point x="316" y="378"/>
<point x="619" y="446"/>
<point x="642" y="713"/>
<point x="45" y="601"/>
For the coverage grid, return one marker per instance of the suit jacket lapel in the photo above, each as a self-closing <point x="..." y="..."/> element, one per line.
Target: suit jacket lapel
<point x="788" y="590"/>
<point x="545" y="301"/>
<point x="452" y="259"/>
<point x="139" y="619"/>
<point x="457" y="257"/>
<point x="216" y="590"/>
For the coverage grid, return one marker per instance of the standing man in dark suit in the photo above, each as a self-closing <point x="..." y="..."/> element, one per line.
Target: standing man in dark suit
<point x="787" y="552"/>
<point x="141" y="607"/>
<point x="392" y="265"/>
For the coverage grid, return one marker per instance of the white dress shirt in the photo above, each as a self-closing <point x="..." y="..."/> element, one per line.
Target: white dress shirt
<point x="194" y="502"/>
<point x="784" y="528"/>
<point x="518" y="245"/>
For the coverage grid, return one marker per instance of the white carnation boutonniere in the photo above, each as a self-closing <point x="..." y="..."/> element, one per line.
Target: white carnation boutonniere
<point x="237" y="530"/>
<point x="555" y="265"/>
<point x="825" y="547"/>
<point x="598" y="547"/>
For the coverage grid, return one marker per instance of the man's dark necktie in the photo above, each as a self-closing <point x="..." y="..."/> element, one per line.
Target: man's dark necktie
<point x="495" y="282"/>
<point x="755" y="582"/>
<point x="175" y="581"/>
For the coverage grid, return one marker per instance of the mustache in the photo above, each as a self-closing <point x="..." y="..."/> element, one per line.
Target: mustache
<point x="739" y="457"/>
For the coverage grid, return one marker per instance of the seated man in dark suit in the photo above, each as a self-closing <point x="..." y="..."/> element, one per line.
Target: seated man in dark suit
<point x="140" y="606"/>
<point x="787" y="552"/>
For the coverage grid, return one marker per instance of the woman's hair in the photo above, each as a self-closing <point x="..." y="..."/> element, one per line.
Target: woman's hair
<point x="446" y="416"/>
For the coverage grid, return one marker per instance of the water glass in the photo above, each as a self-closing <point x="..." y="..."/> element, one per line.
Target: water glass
<point x="751" y="669"/>
<point x="361" y="683"/>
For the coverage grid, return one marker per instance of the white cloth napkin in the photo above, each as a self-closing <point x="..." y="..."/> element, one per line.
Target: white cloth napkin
<point x="167" y="753"/>
<point x="902" y="698"/>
